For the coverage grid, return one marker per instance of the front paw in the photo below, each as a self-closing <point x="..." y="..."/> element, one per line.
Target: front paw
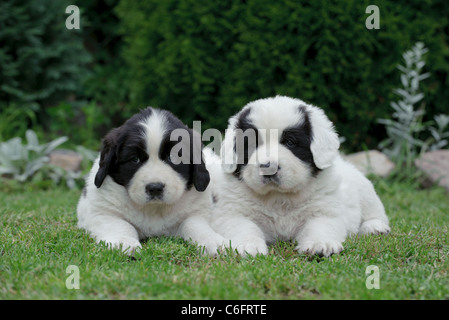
<point x="250" y="246"/>
<point x="321" y="248"/>
<point x="374" y="226"/>
<point x="128" y="245"/>
<point x="213" y="245"/>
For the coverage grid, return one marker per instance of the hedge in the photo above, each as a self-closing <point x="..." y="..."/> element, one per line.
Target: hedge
<point x="204" y="59"/>
<point x="41" y="61"/>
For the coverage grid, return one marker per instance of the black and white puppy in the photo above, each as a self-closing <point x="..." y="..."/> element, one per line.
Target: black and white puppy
<point x="137" y="190"/>
<point x="283" y="178"/>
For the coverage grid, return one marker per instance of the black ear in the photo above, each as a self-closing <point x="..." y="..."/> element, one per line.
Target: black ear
<point x="201" y="177"/>
<point x="108" y="155"/>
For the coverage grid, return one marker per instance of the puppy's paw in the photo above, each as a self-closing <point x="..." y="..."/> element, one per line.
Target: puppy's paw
<point x="213" y="245"/>
<point x="128" y="245"/>
<point x="374" y="226"/>
<point x="321" y="248"/>
<point x="250" y="246"/>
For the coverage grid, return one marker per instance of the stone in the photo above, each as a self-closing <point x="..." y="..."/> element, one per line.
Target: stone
<point x="66" y="159"/>
<point x="371" y="162"/>
<point x="435" y="166"/>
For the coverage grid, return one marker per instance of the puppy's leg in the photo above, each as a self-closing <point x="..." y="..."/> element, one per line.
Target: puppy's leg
<point x="198" y="230"/>
<point x="244" y="235"/>
<point x="374" y="219"/>
<point x="322" y="236"/>
<point x="114" y="231"/>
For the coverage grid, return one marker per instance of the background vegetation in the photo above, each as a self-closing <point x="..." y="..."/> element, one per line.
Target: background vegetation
<point x="205" y="59"/>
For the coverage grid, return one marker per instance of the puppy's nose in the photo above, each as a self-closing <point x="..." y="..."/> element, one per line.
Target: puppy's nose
<point x="269" y="168"/>
<point x="155" y="190"/>
<point x="265" y="165"/>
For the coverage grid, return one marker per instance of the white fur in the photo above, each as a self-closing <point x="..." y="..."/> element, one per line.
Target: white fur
<point x="318" y="212"/>
<point x="122" y="217"/>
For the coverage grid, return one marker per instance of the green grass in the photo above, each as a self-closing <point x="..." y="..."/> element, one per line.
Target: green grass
<point x="39" y="240"/>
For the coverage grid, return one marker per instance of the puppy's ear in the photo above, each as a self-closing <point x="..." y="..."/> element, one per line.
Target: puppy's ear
<point x="325" y="142"/>
<point x="201" y="177"/>
<point x="108" y="155"/>
<point x="228" y="149"/>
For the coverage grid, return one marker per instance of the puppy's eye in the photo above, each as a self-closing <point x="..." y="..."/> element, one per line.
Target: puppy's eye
<point x="135" y="160"/>
<point x="290" y="143"/>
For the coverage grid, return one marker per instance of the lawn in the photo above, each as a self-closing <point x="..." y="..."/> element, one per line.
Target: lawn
<point x="39" y="241"/>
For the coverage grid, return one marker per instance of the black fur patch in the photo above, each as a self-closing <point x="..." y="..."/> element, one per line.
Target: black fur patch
<point x="194" y="172"/>
<point x="125" y="150"/>
<point x="184" y="170"/>
<point x="298" y="139"/>
<point x="244" y="128"/>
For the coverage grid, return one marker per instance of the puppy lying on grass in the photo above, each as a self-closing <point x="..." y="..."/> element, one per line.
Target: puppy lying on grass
<point x="137" y="190"/>
<point x="283" y="178"/>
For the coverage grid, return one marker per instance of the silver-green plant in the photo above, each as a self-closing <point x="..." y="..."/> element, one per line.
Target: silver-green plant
<point x="406" y="128"/>
<point x="21" y="161"/>
<point x="58" y="175"/>
<point x="439" y="138"/>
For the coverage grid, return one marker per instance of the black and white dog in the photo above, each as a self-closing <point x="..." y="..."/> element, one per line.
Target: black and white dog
<point x="136" y="189"/>
<point x="283" y="178"/>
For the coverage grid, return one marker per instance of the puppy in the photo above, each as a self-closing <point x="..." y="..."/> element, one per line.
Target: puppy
<point x="283" y="178"/>
<point x="139" y="188"/>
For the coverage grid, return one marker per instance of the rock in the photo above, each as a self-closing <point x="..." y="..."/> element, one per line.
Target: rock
<point x="435" y="165"/>
<point x="371" y="162"/>
<point x="66" y="159"/>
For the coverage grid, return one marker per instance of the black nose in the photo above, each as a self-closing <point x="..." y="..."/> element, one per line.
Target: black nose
<point x="268" y="165"/>
<point x="265" y="165"/>
<point x="155" y="190"/>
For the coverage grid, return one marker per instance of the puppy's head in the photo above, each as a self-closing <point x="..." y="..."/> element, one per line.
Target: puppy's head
<point x="153" y="163"/>
<point x="279" y="144"/>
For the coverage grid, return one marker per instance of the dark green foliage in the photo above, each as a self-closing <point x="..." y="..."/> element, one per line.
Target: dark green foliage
<point x="57" y="80"/>
<point x="40" y="59"/>
<point x="107" y="86"/>
<point x="100" y="103"/>
<point x="205" y="59"/>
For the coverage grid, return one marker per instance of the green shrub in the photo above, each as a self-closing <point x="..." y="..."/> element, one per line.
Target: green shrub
<point x="15" y="119"/>
<point x="106" y="85"/>
<point x="41" y="62"/>
<point x="40" y="59"/>
<point x="68" y="117"/>
<point x="205" y="59"/>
